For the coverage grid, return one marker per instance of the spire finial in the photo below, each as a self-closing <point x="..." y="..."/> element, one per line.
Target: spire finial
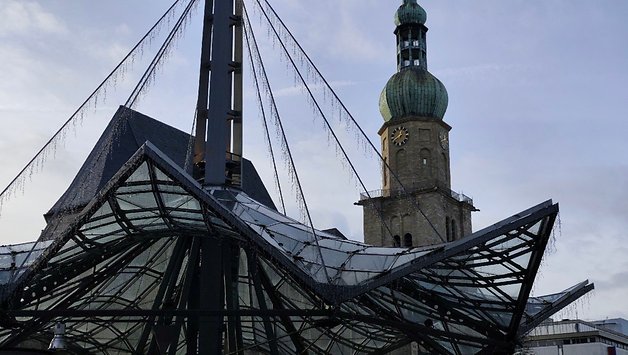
<point x="410" y="12"/>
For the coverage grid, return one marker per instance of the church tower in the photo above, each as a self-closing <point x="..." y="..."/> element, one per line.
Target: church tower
<point x="415" y="145"/>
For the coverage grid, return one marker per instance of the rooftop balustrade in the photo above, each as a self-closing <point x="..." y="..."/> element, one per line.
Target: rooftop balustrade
<point x="421" y="186"/>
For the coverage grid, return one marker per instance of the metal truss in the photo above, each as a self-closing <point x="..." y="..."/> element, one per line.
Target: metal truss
<point x="156" y="263"/>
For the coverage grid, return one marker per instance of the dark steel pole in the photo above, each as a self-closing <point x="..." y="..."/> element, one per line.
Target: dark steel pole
<point x="237" y="82"/>
<point x="211" y="294"/>
<point x="203" y="85"/>
<point x="219" y="93"/>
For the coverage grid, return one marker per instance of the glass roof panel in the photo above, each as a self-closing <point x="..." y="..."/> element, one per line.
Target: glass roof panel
<point x="140" y="174"/>
<point x="160" y="175"/>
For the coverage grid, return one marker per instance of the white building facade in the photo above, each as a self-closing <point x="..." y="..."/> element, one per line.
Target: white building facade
<point x="578" y="337"/>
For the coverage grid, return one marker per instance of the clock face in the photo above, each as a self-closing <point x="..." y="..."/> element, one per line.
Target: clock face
<point x="399" y="136"/>
<point x="444" y="140"/>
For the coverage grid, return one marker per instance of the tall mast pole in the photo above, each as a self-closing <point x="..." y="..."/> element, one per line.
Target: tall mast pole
<point x="218" y="141"/>
<point x="203" y="87"/>
<point x="237" y="85"/>
<point x="217" y="153"/>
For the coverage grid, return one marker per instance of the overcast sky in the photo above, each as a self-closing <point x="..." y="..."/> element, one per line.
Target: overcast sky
<point x="538" y="105"/>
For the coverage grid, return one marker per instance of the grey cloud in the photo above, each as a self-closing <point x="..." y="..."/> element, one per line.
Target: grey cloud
<point x="28" y="18"/>
<point x="614" y="282"/>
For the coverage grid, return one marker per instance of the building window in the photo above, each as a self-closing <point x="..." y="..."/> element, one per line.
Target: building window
<point x="453" y="229"/>
<point x="407" y="240"/>
<point x="401" y="164"/>
<point x="444" y="168"/>
<point x="425" y="156"/>
<point x="396" y="241"/>
<point x="424" y="135"/>
<point x="417" y="62"/>
<point x="385" y="171"/>
<point x="447" y="229"/>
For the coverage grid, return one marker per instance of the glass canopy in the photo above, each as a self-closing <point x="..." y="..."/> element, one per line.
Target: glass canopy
<point x="156" y="263"/>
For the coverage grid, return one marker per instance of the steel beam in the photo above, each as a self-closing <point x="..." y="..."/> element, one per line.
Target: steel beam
<point x="261" y="301"/>
<point x="219" y="93"/>
<point x="237" y="82"/>
<point x="556" y="306"/>
<point x="211" y="295"/>
<point x="203" y="85"/>
<point x="86" y="284"/>
<point x="168" y="282"/>
<point x="545" y="231"/>
<point x="234" y="324"/>
<point x="278" y="305"/>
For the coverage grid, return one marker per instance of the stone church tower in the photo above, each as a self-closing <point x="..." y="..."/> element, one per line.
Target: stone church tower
<point x="416" y="206"/>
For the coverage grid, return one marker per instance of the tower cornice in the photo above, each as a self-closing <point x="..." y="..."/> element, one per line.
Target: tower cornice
<point x="411" y="25"/>
<point x="400" y="121"/>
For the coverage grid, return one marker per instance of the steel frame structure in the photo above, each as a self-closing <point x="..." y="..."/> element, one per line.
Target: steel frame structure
<point x="158" y="263"/>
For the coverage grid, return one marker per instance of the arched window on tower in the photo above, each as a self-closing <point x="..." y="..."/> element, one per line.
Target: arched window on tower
<point x="407" y="240"/>
<point x="401" y="162"/>
<point x="385" y="174"/>
<point x="396" y="241"/>
<point x="444" y="176"/>
<point x="425" y="157"/>
<point x="448" y="229"/>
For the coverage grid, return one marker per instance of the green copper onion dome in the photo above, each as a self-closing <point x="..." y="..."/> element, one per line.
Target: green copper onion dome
<point x="410" y="12"/>
<point x="413" y="92"/>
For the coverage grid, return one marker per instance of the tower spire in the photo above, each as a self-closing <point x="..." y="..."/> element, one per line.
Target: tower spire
<point x="412" y="91"/>
<point x="411" y="33"/>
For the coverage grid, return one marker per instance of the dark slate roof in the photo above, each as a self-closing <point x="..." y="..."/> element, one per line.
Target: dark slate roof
<point x="125" y="134"/>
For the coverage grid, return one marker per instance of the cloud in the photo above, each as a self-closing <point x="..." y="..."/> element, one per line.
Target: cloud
<point x="123" y="30"/>
<point x="301" y="89"/>
<point x="614" y="282"/>
<point x="351" y="42"/>
<point x="26" y="17"/>
<point x="481" y="71"/>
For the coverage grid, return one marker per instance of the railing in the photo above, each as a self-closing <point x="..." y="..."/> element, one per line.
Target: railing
<point x="568" y="326"/>
<point x="421" y="186"/>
